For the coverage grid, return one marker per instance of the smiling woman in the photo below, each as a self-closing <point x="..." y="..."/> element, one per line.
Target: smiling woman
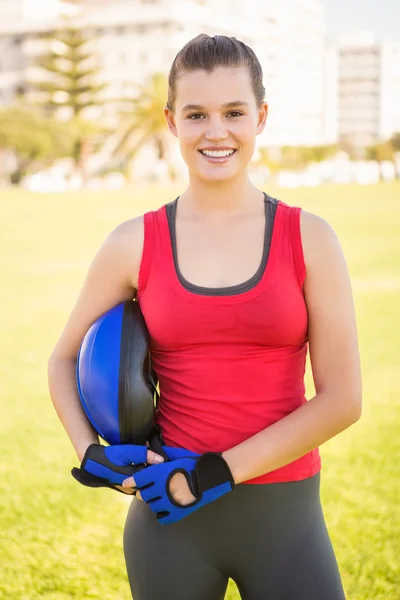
<point x="220" y="127"/>
<point x="235" y="286"/>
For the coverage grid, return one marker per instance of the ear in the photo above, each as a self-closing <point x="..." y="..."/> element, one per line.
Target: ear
<point x="262" y="117"/>
<point x="170" y="118"/>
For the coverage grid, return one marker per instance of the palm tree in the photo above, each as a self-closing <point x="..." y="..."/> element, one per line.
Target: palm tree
<point x="143" y="122"/>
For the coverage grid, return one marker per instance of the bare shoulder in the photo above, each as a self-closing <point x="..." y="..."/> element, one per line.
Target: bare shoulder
<point x="111" y="279"/>
<point x="128" y="239"/>
<point x="313" y="226"/>
<point x="320" y="242"/>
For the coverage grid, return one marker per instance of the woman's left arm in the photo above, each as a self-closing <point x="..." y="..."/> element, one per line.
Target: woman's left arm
<point x="335" y="361"/>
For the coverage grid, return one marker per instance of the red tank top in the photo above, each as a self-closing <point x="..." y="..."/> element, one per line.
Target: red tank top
<point x="229" y="364"/>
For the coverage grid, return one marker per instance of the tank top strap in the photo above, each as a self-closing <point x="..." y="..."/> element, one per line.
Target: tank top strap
<point x="291" y="247"/>
<point x="147" y="251"/>
<point x="297" y="244"/>
<point x="155" y="247"/>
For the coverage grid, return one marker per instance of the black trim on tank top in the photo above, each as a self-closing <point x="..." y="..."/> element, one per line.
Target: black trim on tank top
<point x="270" y="205"/>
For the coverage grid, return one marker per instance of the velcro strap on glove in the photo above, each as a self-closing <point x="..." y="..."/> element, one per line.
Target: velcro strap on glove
<point x="156" y="442"/>
<point x="210" y="472"/>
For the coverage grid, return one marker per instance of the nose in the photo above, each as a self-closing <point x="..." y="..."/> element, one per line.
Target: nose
<point x="216" y="129"/>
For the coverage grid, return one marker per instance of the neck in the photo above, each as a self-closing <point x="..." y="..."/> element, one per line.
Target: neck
<point x="220" y="198"/>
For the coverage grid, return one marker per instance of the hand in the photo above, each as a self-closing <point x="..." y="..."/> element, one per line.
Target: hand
<point x="208" y="477"/>
<point x="108" y="466"/>
<point x="152" y="459"/>
<point x="179" y="489"/>
<point x="178" y="484"/>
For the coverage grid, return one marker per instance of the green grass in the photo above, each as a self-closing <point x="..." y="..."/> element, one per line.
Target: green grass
<point x="58" y="540"/>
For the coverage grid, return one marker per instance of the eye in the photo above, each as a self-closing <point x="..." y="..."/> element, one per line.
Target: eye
<point x="195" y="115"/>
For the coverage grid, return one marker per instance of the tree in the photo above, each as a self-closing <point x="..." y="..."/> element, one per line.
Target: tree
<point x="266" y="160"/>
<point x="295" y="157"/>
<point x="380" y="152"/>
<point x="144" y="121"/>
<point x="71" y="83"/>
<point x="321" y="153"/>
<point x="72" y="71"/>
<point x="33" y="139"/>
<point x="395" y="141"/>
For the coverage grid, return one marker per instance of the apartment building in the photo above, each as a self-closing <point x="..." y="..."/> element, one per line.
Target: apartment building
<point x="369" y="90"/>
<point x="134" y="38"/>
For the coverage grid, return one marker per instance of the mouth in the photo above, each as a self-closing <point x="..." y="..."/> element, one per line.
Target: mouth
<point x="218" y="156"/>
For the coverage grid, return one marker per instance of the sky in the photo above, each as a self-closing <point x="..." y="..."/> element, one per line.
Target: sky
<point x="381" y="17"/>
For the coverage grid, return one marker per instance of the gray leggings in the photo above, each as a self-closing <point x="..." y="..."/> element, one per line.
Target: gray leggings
<point x="271" y="539"/>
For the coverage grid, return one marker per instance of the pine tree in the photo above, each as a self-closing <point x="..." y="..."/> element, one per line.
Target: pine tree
<point x="72" y="71"/>
<point x="71" y="83"/>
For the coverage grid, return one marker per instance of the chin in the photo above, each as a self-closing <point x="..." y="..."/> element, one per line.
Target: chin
<point x="217" y="177"/>
<point x="217" y="174"/>
<point x="232" y="176"/>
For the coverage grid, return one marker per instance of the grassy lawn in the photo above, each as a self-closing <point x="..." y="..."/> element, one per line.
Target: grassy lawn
<point x="59" y="540"/>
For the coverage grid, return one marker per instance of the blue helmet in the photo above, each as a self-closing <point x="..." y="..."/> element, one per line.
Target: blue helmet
<point x="115" y="379"/>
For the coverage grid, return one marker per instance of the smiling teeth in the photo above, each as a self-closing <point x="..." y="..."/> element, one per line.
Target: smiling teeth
<point x="217" y="153"/>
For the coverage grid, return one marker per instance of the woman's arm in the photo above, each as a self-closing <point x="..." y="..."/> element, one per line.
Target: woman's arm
<point x="111" y="279"/>
<point x="334" y="359"/>
<point x="64" y="395"/>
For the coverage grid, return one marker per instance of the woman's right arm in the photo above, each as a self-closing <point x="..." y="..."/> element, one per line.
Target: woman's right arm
<point x="110" y="280"/>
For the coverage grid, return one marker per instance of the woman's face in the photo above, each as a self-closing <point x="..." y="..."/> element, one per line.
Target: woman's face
<point x="216" y="120"/>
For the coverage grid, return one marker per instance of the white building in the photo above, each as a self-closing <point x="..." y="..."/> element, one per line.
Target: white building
<point x="13" y="10"/>
<point x="331" y="95"/>
<point x="291" y="46"/>
<point x="134" y="38"/>
<point x="369" y="90"/>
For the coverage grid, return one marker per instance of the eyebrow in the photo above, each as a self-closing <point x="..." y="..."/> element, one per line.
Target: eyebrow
<point x="226" y="105"/>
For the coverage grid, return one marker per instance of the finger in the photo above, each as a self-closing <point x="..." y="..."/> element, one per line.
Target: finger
<point x="153" y="458"/>
<point x="129" y="483"/>
<point x="138" y="496"/>
<point x="126" y="454"/>
<point x="128" y="492"/>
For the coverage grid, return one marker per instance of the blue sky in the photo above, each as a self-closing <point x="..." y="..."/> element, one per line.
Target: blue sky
<point x="382" y="17"/>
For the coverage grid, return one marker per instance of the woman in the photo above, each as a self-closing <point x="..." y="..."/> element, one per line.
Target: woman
<point x="234" y="286"/>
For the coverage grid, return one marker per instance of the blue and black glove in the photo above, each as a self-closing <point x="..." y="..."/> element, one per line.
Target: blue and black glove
<point x="105" y="466"/>
<point x="208" y="476"/>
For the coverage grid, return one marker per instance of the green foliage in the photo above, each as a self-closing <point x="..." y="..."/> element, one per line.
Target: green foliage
<point x="320" y="153"/>
<point x="266" y="160"/>
<point x="395" y="140"/>
<point x="72" y="83"/>
<point x="71" y="71"/>
<point x="37" y="140"/>
<point x="296" y="157"/>
<point x="33" y="138"/>
<point x="149" y="104"/>
<point x="84" y="134"/>
<point x="143" y="120"/>
<point x="380" y="152"/>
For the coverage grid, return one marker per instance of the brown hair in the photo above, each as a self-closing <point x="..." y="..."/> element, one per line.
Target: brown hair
<point x="206" y="53"/>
